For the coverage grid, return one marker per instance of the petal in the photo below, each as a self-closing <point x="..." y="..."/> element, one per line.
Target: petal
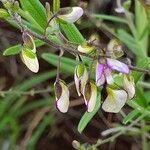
<point x="100" y="78"/>
<point x="29" y="42"/>
<point x="31" y="63"/>
<point x="85" y="49"/>
<point x="90" y="95"/>
<point x="62" y="103"/>
<point x="117" y="65"/>
<point x="108" y="76"/>
<point x="129" y="86"/>
<point x="115" y="100"/>
<point x="77" y="84"/>
<point x="119" y="10"/>
<point x="73" y="16"/>
<point x="92" y="101"/>
<point x="80" y="77"/>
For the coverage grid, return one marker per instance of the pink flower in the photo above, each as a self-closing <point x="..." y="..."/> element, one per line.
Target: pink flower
<point x="103" y="71"/>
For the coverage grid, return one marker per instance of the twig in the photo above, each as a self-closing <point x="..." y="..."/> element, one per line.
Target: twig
<point x="68" y="49"/>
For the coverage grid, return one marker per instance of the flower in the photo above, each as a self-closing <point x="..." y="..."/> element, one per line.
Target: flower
<point x="80" y="77"/>
<point x="129" y="85"/>
<point x="90" y="96"/>
<point x="62" y="96"/>
<point x="114" y="48"/>
<point x="115" y="100"/>
<point x="70" y="15"/>
<point x="30" y="59"/>
<point x="28" y="53"/>
<point x="103" y="70"/>
<point x="85" y="48"/>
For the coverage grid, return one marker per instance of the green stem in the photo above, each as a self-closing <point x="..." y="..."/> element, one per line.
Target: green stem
<point x="144" y="138"/>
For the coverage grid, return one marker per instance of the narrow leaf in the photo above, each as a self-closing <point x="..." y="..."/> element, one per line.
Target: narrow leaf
<point x="88" y="116"/>
<point x="130" y="116"/>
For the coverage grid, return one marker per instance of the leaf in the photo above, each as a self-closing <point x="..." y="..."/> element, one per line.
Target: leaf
<point x="142" y="63"/>
<point x="56" y="5"/>
<point x="141" y="27"/>
<point x="134" y="105"/>
<point x="67" y="64"/>
<point x="27" y="84"/>
<point x="30" y="21"/>
<point x="140" y="99"/>
<point x="72" y="33"/>
<point x="130" y="116"/>
<point x="17" y="48"/>
<point x="48" y="120"/>
<point x="109" y="18"/>
<point x="129" y="41"/>
<point x="12" y="50"/>
<point x="88" y="116"/>
<point x="36" y="10"/>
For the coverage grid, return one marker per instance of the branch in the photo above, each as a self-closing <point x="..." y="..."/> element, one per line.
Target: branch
<point x="66" y="48"/>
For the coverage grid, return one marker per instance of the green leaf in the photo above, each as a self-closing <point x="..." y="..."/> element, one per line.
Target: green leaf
<point x="142" y="63"/>
<point x="17" y="48"/>
<point x="12" y="50"/>
<point x="140" y="99"/>
<point x="129" y="41"/>
<point x="30" y="21"/>
<point x="141" y="27"/>
<point x="130" y="116"/>
<point x="36" y="10"/>
<point x="71" y="32"/>
<point x="56" y="5"/>
<point x="67" y="64"/>
<point x="48" y="120"/>
<point x="88" y="116"/>
<point x="109" y="18"/>
<point x="27" y="84"/>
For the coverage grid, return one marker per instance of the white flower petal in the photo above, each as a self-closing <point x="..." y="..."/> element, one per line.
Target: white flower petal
<point x="129" y="86"/>
<point x="73" y="16"/>
<point x="31" y="63"/>
<point x="119" y="10"/>
<point x="85" y="49"/>
<point x="63" y="102"/>
<point x="91" y="102"/>
<point x="108" y="76"/>
<point x="115" y="100"/>
<point x="117" y="65"/>
<point x="81" y="80"/>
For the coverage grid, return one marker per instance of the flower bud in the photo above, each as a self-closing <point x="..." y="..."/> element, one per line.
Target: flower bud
<point x="16" y="6"/>
<point x="69" y="14"/>
<point x="80" y="77"/>
<point x="30" y="59"/>
<point x="85" y="48"/>
<point x="90" y="96"/>
<point x="62" y="96"/>
<point x="129" y="85"/>
<point x="28" y="53"/>
<point x="76" y="144"/>
<point x="28" y="42"/>
<point x="115" y="49"/>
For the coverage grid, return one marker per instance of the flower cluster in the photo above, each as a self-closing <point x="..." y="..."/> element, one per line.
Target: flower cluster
<point x="105" y="68"/>
<point x="119" y="87"/>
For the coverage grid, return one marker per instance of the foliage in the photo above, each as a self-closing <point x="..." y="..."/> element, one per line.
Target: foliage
<point x="134" y="35"/>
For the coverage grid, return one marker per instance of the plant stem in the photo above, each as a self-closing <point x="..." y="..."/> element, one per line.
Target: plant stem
<point x="65" y="48"/>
